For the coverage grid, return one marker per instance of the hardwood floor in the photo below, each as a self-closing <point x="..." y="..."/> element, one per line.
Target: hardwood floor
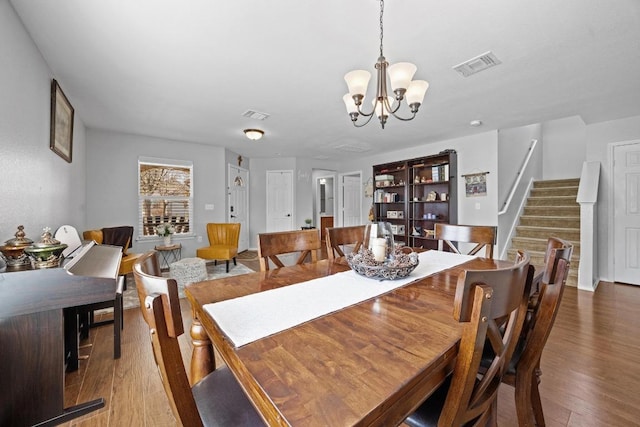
<point x="591" y="367"/>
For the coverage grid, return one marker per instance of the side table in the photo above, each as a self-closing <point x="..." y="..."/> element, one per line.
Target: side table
<point x="169" y="254"/>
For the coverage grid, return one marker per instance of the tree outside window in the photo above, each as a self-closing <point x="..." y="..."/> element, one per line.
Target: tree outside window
<point x="165" y="195"/>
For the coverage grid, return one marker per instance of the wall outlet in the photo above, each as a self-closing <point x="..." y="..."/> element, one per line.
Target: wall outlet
<point x="208" y="207"/>
<point x="199" y="239"/>
<point x="478" y="206"/>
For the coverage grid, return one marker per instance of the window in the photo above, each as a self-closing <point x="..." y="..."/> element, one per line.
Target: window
<point x="165" y="195"/>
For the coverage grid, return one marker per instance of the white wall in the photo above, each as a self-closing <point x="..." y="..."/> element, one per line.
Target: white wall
<point x="564" y="148"/>
<point x="476" y="153"/>
<point x="513" y="148"/>
<point x="112" y="192"/>
<point x="37" y="187"/>
<point x="599" y="137"/>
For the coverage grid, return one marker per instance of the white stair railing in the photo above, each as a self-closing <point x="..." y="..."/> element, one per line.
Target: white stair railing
<point x="520" y="191"/>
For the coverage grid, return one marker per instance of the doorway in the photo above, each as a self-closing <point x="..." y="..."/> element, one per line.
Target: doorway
<point x="279" y="200"/>
<point x="626" y="212"/>
<point x="325" y="207"/>
<point x="238" y="194"/>
<point x="350" y="200"/>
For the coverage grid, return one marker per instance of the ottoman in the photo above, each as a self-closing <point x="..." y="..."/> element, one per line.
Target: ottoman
<point x="188" y="270"/>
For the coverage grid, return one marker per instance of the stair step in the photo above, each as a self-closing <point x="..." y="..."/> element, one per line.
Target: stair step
<point x="537" y="260"/>
<point x="552" y="201"/>
<point x="571" y="234"/>
<point x="537" y="244"/>
<point x="573" y="182"/>
<point x="554" y="191"/>
<point x="552" y="210"/>
<point x="550" y="221"/>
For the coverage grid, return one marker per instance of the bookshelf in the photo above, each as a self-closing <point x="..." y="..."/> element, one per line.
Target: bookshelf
<point x="415" y="194"/>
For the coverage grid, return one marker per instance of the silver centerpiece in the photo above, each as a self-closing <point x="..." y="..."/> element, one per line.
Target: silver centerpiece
<point x="13" y="250"/>
<point x="47" y="252"/>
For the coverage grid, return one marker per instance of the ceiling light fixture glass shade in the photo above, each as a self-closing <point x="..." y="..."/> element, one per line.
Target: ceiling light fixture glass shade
<point x="254" y="134"/>
<point x="402" y="85"/>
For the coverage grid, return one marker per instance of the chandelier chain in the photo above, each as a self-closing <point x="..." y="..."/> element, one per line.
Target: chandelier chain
<point x="381" y="26"/>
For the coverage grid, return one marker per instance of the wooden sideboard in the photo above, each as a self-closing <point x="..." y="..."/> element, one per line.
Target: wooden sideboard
<point x="32" y="335"/>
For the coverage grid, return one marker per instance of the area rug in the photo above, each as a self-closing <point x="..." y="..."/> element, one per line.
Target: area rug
<point x="130" y="296"/>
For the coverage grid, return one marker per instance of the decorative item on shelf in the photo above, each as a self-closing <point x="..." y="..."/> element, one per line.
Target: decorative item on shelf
<point x="400" y="75"/>
<point x="444" y="197"/>
<point x="165" y="230"/>
<point x="400" y="265"/>
<point x="416" y="231"/>
<point x="417" y="179"/>
<point x="432" y="196"/>
<point x="13" y="250"/>
<point x="47" y="252"/>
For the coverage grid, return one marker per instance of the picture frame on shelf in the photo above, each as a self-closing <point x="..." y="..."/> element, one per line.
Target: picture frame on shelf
<point x="62" y="114"/>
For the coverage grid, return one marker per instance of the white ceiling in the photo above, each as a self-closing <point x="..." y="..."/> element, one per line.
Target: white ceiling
<point x="187" y="70"/>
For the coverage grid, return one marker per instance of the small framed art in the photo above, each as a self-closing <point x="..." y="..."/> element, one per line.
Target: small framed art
<point x="61" y="141"/>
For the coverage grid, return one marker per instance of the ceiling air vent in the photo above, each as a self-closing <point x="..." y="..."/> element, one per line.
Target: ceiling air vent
<point x="477" y="64"/>
<point x="252" y="114"/>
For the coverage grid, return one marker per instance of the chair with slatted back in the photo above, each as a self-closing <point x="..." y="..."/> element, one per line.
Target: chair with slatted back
<point x="483" y="236"/>
<point x="217" y="399"/>
<point x="270" y="245"/>
<point x="484" y="300"/>
<point x="524" y="370"/>
<point x="338" y="237"/>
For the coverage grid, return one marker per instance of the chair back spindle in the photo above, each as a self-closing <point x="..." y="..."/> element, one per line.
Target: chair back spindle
<point x="338" y="237"/>
<point x="482" y="235"/>
<point x="270" y="245"/>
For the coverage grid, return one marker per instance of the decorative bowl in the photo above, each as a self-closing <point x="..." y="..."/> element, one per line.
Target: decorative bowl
<point x="45" y="256"/>
<point x="13" y="250"/>
<point x="401" y="265"/>
<point x="47" y="253"/>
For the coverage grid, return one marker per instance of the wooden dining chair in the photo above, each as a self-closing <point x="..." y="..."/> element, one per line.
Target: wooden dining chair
<point x="338" y="237"/>
<point x="484" y="300"/>
<point x="270" y="245"/>
<point x="217" y="399"/>
<point x="524" y="370"/>
<point x="483" y="236"/>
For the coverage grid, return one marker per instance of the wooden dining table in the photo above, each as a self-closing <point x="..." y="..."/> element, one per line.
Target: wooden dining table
<point x="371" y="363"/>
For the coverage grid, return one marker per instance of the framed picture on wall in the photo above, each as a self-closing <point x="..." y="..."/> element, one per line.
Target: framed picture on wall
<point x="61" y="141"/>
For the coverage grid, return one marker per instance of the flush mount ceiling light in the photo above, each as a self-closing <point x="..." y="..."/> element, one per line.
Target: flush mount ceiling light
<point x="254" y="134"/>
<point x="400" y="75"/>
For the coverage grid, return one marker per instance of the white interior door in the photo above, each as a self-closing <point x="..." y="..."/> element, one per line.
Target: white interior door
<point x="351" y="200"/>
<point x="238" y="179"/>
<point x="279" y="200"/>
<point x="626" y="175"/>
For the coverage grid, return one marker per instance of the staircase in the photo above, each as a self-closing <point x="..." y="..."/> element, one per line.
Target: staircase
<point x="551" y="210"/>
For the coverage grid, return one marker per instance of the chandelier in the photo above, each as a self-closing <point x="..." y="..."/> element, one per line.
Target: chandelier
<point x="400" y="76"/>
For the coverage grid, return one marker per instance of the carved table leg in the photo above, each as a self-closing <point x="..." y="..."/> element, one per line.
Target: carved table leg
<point x="202" y="359"/>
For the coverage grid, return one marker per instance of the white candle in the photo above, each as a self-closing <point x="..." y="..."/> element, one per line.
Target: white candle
<point x="379" y="248"/>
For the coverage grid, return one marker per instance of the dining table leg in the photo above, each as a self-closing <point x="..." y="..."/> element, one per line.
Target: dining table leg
<point x="202" y="359"/>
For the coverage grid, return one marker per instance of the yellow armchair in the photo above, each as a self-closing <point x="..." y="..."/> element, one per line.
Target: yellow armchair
<point x="223" y="243"/>
<point x="126" y="264"/>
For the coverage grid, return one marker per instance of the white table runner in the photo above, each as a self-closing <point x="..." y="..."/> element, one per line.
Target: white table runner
<point x="252" y="317"/>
